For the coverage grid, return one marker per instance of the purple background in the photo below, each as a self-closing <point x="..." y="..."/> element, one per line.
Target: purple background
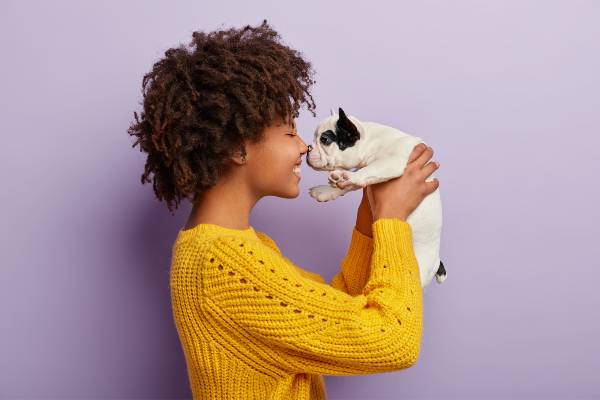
<point x="506" y="92"/>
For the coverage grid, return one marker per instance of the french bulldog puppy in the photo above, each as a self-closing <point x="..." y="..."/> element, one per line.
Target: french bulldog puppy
<point x="359" y="153"/>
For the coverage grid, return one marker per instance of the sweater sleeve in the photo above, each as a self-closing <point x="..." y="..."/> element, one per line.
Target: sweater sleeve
<point x="319" y="328"/>
<point x="355" y="268"/>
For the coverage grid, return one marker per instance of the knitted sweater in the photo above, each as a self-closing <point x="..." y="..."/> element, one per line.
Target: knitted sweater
<point x="253" y="325"/>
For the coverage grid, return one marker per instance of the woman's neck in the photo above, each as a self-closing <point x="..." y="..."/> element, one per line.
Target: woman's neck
<point x="224" y="206"/>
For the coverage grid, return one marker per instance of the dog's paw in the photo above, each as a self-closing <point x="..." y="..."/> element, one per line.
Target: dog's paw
<point x="345" y="179"/>
<point x="338" y="176"/>
<point x="324" y="193"/>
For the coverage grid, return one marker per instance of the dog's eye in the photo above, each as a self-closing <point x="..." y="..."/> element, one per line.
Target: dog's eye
<point x="325" y="140"/>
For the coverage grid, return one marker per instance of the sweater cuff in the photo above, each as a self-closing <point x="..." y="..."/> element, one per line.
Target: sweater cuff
<point x="360" y="245"/>
<point x="395" y="230"/>
<point x="392" y="252"/>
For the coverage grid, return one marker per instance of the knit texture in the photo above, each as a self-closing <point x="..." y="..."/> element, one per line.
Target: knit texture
<point x="253" y="325"/>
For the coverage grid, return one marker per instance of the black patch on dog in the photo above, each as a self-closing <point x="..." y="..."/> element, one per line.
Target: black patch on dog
<point x="346" y="133"/>
<point x="441" y="269"/>
<point x="328" y="137"/>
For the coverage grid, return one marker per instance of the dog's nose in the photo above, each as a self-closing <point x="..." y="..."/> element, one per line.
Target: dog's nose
<point x="309" y="148"/>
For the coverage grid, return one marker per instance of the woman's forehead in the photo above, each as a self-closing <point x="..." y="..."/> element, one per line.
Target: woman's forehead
<point x="279" y="121"/>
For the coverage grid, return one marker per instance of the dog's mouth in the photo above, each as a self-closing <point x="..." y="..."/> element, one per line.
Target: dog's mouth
<point x="324" y="167"/>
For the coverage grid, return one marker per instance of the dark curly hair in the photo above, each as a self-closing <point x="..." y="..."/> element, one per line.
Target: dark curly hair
<point x="201" y="105"/>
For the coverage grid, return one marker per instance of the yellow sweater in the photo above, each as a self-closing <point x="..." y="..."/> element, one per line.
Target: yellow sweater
<point x="253" y="325"/>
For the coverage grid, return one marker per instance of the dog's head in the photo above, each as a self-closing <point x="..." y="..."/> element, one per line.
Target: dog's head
<point x="336" y="143"/>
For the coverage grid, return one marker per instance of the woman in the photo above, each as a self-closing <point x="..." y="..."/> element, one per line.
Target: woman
<point x="219" y="127"/>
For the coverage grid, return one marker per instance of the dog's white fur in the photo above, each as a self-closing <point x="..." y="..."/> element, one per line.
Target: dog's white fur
<point x="380" y="154"/>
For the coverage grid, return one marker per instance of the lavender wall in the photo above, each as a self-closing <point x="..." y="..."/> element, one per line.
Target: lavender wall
<point x="507" y="93"/>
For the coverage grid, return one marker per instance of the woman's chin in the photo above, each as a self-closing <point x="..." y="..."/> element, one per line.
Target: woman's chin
<point x="290" y="191"/>
<point x="294" y="190"/>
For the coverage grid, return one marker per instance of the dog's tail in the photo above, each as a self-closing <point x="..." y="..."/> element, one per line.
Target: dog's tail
<point x="440" y="275"/>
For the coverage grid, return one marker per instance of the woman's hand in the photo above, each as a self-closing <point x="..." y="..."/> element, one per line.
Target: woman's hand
<point x="398" y="197"/>
<point x="364" y="216"/>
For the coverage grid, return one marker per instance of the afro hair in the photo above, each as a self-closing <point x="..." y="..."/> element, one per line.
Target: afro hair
<point x="203" y="102"/>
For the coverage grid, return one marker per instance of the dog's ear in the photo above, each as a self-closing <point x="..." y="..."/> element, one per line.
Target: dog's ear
<point x="331" y="109"/>
<point x="346" y="131"/>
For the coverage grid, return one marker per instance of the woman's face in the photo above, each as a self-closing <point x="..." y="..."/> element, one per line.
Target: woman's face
<point x="270" y="163"/>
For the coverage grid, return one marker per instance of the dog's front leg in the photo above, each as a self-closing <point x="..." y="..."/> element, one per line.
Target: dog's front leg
<point x="377" y="171"/>
<point x="327" y="192"/>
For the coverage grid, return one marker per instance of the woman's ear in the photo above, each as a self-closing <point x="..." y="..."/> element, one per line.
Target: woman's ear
<point x="238" y="158"/>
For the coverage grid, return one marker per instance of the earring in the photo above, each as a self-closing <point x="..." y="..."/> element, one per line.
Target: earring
<point x="244" y="159"/>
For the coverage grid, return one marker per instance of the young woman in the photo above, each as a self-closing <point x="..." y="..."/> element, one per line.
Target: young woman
<point x="219" y="128"/>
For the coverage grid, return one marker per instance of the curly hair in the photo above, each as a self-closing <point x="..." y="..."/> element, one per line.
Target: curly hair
<point x="201" y="105"/>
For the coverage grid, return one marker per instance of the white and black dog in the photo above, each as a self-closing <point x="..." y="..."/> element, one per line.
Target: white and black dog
<point x="359" y="153"/>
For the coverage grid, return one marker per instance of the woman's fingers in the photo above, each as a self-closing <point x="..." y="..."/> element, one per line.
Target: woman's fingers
<point x="423" y="158"/>
<point x="429" y="169"/>
<point x="416" y="152"/>
<point x="432" y="186"/>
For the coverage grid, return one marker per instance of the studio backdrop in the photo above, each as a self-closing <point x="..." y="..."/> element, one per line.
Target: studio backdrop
<point x="506" y="92"/>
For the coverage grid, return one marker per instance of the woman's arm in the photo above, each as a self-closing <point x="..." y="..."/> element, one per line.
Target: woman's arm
<point x="355" y="267"/>
<point x="364" y="216"/>
<point x="321" y="330"/>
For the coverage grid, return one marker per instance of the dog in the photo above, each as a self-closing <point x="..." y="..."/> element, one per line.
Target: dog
<point x="359" y="153"/>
